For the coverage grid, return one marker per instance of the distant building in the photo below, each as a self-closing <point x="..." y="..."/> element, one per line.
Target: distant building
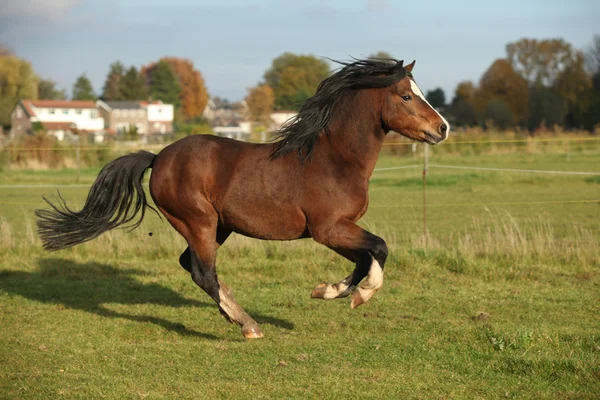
<point x="57" y="117"/>
<point x="280" y="117"/>
<point x="160" y="117"/>
<point x="240" y="130"/>
<point x="221" y="112"/>
<point x="121" y="116"/>
<point x="147" y="117"/>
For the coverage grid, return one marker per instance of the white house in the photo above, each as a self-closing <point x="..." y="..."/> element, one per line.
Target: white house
<point x="160" y="116"/>
<point x="57" y="117"/>
<point x="281" y="116"/>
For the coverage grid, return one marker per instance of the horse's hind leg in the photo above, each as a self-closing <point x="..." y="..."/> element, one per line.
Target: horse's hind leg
<point x="204" y="238"/>
<point x="204" y="275"/>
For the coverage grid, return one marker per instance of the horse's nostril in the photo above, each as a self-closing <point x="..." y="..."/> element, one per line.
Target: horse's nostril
<point x="443" y="129"/>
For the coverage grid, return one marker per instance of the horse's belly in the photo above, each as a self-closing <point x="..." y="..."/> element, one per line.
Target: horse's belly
<point x="264" y="221"/>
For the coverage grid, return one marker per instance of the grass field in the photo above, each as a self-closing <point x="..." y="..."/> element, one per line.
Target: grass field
<point x="500" y="300"/>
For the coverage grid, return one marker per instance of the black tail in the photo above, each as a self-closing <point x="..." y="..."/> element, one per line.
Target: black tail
<point x="115" y="198"/>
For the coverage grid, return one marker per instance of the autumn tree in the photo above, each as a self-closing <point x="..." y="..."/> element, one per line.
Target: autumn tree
<point x="294" y="78"/>
<point x="162" y="82"/>
<point x="540" y="62"/>
<point x="380" y="55"/>
<point x="17" y="81"/>
<point x="436" y="97"/>
<point x="574" y="85"/>
<point x="502" y="82"/>
<point x="592" y="56"/>
<point x="591" y="117"/>
<point x="82" y="89"/>
<point x="463" y="104"/>
<point x="47" y="90"/>
<point x="498" y="113"/>
<point x="261" y="100"/>
<point x="192" y="92"/>
<point x="133" y="86"/>
<point x="112" y="85"/>
<point x="546" y="107"/>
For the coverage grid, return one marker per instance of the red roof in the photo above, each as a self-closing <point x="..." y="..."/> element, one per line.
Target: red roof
<point x="62" y="103"/>
<point x="145" y="103"/>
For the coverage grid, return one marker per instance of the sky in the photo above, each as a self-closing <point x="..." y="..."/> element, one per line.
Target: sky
<point x="233" y="42"/>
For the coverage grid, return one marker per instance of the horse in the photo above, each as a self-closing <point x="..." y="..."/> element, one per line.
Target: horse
<point x="310" y="183"/>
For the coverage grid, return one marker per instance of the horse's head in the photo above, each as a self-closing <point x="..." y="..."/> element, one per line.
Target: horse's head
<point x="406" y="111"/>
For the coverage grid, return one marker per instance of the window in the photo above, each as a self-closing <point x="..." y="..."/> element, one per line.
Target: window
<point x="65" y="111"/>
<point x="159" y="109"/>
<point x="51" y="111"/>
<point x="19" y="113"/>
<point x="78" y="111"/>
<point x="93" y="114"/>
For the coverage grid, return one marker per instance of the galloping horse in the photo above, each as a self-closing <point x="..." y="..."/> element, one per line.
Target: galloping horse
<point x="311" y="183"/>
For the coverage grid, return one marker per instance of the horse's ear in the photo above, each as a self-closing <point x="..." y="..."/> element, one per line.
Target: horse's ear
<point x="410" y="67"/>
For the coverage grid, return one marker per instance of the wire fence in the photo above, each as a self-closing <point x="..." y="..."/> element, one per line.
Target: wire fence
<point x="425" y="166"/>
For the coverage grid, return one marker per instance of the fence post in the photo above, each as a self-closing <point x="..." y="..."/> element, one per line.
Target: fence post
<point x="425" y="164"/>
<point x="78" y="158"/>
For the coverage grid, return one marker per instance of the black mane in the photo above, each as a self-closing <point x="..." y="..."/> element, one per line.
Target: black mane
<point x="300" y="133"/>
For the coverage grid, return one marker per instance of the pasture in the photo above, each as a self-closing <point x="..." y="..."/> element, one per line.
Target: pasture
<point x="500" y="300"/>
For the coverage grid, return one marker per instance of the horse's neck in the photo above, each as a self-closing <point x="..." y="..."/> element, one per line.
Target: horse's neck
<point x="355" y="133"/>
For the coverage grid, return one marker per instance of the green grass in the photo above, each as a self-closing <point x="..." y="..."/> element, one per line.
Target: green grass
<point x="499" y="300"/>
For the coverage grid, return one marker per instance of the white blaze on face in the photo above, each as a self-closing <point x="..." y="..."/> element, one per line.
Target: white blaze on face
<point x="418" y="93"/>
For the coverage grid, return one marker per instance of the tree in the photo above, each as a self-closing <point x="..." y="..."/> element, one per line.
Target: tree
<point x="82" y="89"/>
<point x="574" y="85"/>
<point x="380" y="55"/>
<point x="192" y="94"/>
<point x="501" y="82"/>
<point x="592" y="56"/>
<point x="546" y="107"/>
<point x="47" y="91"/>
<point x="498" y="113"/>
<point x="463" y="104"/>
<point x="162" y="82"/>
<point x="436" y="97"/>
<point x="17" y="81"/>
<point x="540" y="62"/>
<point x="294" y="78"/>
<point x="260" y="101"/>
<point x="112" y="85"/>
<point x="133" y="86"/>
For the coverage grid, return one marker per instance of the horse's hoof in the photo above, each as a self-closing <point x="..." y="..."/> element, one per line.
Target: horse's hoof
<point x="319" y="291"/>
<point x="252" y="332"/>
<point x="357" y="299"/>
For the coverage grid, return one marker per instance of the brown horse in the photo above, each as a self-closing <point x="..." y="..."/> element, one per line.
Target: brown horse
<point x="311" y="183"/>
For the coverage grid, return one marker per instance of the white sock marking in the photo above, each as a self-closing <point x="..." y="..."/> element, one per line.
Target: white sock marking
<point x="372" y="283"/>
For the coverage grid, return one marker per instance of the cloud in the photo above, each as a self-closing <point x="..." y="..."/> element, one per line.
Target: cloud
<point x="37" y="8"/>
<point x="378" y="5"/>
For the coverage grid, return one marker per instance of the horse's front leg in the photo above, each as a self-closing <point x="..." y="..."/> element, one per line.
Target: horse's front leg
<point x="366" y="250"/>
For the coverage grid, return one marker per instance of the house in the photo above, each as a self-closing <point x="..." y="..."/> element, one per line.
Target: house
<point x="240" y="130"/>
<point x="222" y="113"/>
<point x="122" y="116"/>
<point x="280" y="117"/>
<point x="160" y="116"/>
<point x="57" y="117"/>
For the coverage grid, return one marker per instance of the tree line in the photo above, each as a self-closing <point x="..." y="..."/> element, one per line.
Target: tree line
<point x="537" y="83"/>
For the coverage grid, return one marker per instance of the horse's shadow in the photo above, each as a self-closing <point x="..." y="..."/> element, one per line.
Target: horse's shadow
<point x="88" y="286"/>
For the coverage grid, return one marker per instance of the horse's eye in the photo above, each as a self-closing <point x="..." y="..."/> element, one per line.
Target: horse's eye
<point x="406" y="98"/>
